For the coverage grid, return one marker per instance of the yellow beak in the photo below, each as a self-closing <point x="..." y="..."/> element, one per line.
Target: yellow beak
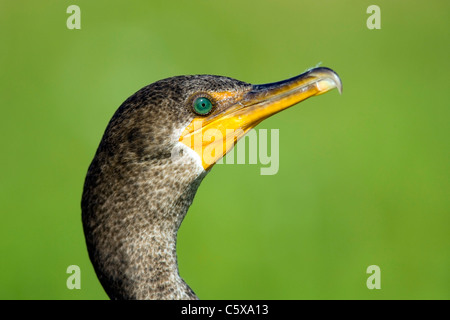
<point x="213" y="136"/>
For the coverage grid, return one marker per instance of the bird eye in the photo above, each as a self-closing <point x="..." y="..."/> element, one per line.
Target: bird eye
<point x="202" y="106"/>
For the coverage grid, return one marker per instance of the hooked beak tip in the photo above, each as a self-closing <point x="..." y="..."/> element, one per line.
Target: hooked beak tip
<point x="327" y="79"/>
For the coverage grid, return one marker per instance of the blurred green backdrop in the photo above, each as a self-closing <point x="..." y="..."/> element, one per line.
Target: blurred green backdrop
<point x="363" y="178"/>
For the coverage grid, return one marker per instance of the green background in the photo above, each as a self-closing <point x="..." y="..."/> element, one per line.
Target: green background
<point x="363" y="177"/>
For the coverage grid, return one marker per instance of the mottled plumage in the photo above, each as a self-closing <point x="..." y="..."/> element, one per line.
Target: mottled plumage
<point x="136" y="195"/>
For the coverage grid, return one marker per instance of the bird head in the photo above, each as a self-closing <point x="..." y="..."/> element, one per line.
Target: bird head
<point x="204" y="116"/>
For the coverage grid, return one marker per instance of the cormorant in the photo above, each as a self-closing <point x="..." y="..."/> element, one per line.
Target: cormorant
<point x="154" y="153"/>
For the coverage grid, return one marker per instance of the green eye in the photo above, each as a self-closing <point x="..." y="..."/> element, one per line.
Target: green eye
<point x="202" y="106"/>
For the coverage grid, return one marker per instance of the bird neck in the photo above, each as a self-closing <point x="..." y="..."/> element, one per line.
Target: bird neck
<point x="131" y="223"/>
<point x="151" y="267"/>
